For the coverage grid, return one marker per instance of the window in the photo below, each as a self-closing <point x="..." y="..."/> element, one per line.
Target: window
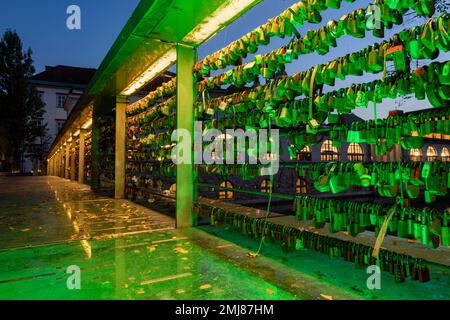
<point x="415" y="155"/>
<point x="445" y="155"/>
<point x="301" y="186"/>
<point x="355" y="152"/>
<point x="431" y="153"/>
<point x="226" y="194"/>
<point x="59" y="125"/>
<point x="305" y="154"/>
<point x="328" y="152"/>
<point x="271" y="156"/>
<point x="266" y="186"/>
<point x="60" y="100"/>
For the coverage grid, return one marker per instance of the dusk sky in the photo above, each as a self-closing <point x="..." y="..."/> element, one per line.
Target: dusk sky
<point x="42" y="26"/>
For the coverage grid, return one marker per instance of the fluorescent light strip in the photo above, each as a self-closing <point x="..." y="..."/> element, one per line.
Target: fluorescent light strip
<point x="87" y="124"/>
<point x="169" y="58"/>
<point x="213" y="23"/>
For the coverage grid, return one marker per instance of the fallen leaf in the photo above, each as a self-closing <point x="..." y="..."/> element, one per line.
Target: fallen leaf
<point x="151" y="248"/>
<point x="326" y="297"/>
<point x="140" y="291"/>
<point x="205" y="286"/>
<point x="25" y="230"/>
<point x="125" y="286"/>
<point x="136" y="251"/>
<point x="179" y="291"/>
<point x="180" y="250"/>
<point x="131" y="278"/>
<point x="269" y="291"/>
<point x="295" y="286"/>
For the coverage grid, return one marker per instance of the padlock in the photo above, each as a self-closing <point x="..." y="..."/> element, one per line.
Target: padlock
<point x="424" y="274"/>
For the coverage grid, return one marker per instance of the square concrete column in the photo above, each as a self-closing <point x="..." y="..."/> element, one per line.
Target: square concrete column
<point x="121" y="107"/>
<point x="72" y="160"/>
<point x="60" y="164"/>
<point x="95" y="153"/>
<point x="186" y="96"/>
<point x="67" y="161"/>
<point x="81" y="151"/>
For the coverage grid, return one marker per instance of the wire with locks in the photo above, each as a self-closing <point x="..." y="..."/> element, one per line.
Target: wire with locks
<point x="372" y="59"/>
<point x="401" y="265"/>
<point x="165" y="108"/>
<point x="281" y="26"/>
<point x="355" y="24"/>
<point x="338" y="177"/>
<point x="399" y="49"/>
<point x="163" y="92"/>
<point x="431" y="81"/>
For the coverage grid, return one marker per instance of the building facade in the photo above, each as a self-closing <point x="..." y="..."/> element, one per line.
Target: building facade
<point x="60" y="87"/>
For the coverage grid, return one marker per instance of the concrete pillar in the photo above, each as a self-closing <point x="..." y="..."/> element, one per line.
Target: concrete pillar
<point x="81" y="156"/>
<point x="72" y="160"/>
<point x="53" y="161"/>
<point x="57" y="164"/>
<point x="60" y="164"/>
<point x="67" y="161"/>
<point x="121" y="106"/>
<point x="95" y="154"/>
<point x="185" y="120"/>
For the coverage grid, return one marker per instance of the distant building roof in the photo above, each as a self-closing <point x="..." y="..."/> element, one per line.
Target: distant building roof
<point x="65" y="74"/>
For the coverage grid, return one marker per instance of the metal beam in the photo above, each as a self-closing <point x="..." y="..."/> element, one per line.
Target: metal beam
<point x="185" y="121"/>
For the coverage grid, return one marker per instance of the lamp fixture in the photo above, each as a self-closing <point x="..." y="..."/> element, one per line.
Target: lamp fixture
<point x="161" y="64"/>
<point x="87" y="124"/>
<point x="215" y="22"/>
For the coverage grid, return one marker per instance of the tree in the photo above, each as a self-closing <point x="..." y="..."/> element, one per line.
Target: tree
<point x="21" y="108"/>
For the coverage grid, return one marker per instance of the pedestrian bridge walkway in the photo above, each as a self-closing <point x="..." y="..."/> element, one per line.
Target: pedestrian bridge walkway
<point x="126" y="251"/>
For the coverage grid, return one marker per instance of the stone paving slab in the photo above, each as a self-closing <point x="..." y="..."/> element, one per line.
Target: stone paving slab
<point x="40" y="210"/>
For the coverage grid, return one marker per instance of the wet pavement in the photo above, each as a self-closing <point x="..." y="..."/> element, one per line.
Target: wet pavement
<point x="125" y="251"/>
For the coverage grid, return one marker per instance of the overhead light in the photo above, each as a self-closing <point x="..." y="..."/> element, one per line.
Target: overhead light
<point x="87" y="124"/>
<point x="169" y="58"/>
<point x="77" y="133"/>
<point x="218" y="20"/>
